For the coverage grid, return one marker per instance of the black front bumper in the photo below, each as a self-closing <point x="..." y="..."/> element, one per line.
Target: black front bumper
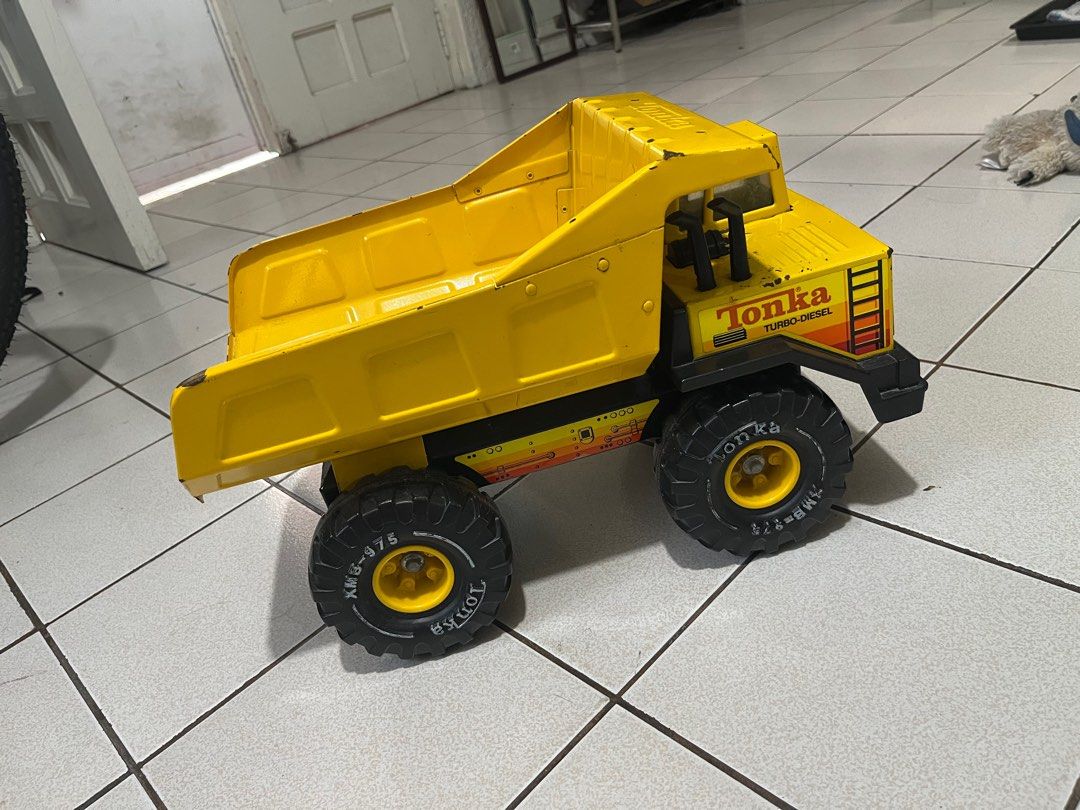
<point x="892" y="381"/>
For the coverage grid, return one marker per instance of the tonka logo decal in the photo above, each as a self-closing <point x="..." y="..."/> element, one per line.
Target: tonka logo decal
<point x="774" y="306"/>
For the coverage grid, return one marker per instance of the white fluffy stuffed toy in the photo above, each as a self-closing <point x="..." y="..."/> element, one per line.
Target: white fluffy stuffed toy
<point x="1035" y="146"/>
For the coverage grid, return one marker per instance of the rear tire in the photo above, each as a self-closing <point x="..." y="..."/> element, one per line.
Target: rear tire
<point x="12" y="240"/>
<point x="754" y="464"/>
<point x="437" y="535"/>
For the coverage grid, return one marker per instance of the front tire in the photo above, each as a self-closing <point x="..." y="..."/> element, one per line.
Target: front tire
<point x="410" y="563"/>
<point x="753" y="465"/>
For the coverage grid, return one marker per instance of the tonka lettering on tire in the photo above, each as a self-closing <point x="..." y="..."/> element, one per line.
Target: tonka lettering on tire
<point x="410" y="563"/>
<point x="753" y="465"/>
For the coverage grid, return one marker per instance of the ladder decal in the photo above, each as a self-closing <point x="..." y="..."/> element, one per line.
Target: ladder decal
<point x="866" y="326"/>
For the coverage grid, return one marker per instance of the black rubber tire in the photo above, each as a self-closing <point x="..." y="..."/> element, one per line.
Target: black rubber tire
<point x="705" y="434"/>
<point x="399" y="508"/>
<point x="12" y="240"/>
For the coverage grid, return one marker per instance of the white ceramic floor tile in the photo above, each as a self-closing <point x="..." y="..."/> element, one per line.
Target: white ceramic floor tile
<point x="128" y="795"/>
<point x="1048" y="299"/>
<point x="475" y="155"/>
<point x="827" y="116"/>
<point x="203" y="244"/>
<point x="366" y="144"/>
<point x="871" y="668"/>
<point x="194" y="201"/>
<point x="442" y="122"/>
<point x="172" y="229"/>
<point x="979" y="78"/>
<point x="604" y="588"/>
<point x="930" y="318"/>
<point x="300" y="171"/>
<point x="1056" y="96"/>
<point x="833" y="60"/>
<point x="1006" y="498"/>
<point x="54" y="752"/>
<point x="702" y="91"/>
<point x="52" y="457"/>
<point x="51" y="267"/>
<point x="894" y="83"/>
<point x="797" y="149"/>
<point x="977" y="224"/>
<point x="355" y="183"/>
<point x="14" y="622"/>
<point x="94" y="323"/>
<point x="461" y="712"/>
<point x="339" y="210"/>
<point x="209" y="273"/>
<point x="134" y="352"/>
<point x="753" y="64"/>
<point x="297" y="204"/>
<point x="305" y="483"/>
<point x="79" y="290"/>
<point x="856" y="202"/>
<point x="27" y="353"/>
<point x="1015" y="52"/>
<point x="72" y="546"/>
<point x="782" y="90"/>
<point x="623" y="762"/>
<point x="930" y="54"/>
<point x="964" y="171"/>
<point x="252" y="198"/>
<point x="442" y="146"/>
<point x="946" y="115"/>
<point x="962" y="31"/>
<point x="1066" y="256"/>
<point x="506" y="121"/>
<point x="164" y="645"/>
<point x="425" y="179"/>
<point x="157" y="386"/>
<point x="46" y="393"/>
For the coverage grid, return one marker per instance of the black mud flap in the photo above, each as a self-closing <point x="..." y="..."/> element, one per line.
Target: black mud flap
<point x="892" y="381"/>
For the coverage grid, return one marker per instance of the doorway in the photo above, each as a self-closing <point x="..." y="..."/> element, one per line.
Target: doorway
<point x="316" y="68"/>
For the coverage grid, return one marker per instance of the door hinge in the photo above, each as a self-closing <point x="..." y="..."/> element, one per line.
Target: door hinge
<point x="442" y="33"/>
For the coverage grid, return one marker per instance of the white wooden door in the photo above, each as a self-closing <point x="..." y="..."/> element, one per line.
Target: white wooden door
<point x="78" y="191"/>
<point x="325" y="66"/>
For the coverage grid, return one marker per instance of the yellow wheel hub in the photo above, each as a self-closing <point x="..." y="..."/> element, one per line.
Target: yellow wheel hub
<point x="762" y="474"/>
<point x="413" y="579"/>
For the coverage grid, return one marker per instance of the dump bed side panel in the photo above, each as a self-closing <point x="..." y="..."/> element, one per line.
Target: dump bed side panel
<point x="402" y="255"/>
<point x="489" y="350"/>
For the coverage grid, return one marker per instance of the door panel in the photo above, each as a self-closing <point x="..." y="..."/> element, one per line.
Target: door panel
<point x="325" y="66"/>
<point x="79" y="193"/>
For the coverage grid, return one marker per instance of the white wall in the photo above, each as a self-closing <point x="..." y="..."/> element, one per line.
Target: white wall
<point x="159" y="74"/>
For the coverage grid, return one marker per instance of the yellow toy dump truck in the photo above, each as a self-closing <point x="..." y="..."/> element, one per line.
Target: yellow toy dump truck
<point x="624" y="271"/>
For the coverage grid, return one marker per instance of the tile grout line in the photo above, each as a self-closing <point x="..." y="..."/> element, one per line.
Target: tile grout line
<point x="229" y="697"/>
<point x="106" y="377"/>
<point x="82" y="480"/>
<point x="319" y="510"/>
<point x="28" y="428"/>
<point x="1043" y="383"/>
<point x="978" y="555"/>
<point x="101" y="793"/>
<point x="80" y="687"/>
<point x="1073" y="802"/>
<point x="618" y="698"/>
<point x="19" y="640"/>
<point x="149" y="560"/>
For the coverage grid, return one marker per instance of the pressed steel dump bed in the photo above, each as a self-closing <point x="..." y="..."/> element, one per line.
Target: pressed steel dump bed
<point x="537" y="275"/>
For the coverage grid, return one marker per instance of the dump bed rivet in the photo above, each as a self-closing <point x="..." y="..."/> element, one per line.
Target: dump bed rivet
<point x="603" y="265"/>
<point x="530" y="289"/>
<point x="647" y="306"/>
